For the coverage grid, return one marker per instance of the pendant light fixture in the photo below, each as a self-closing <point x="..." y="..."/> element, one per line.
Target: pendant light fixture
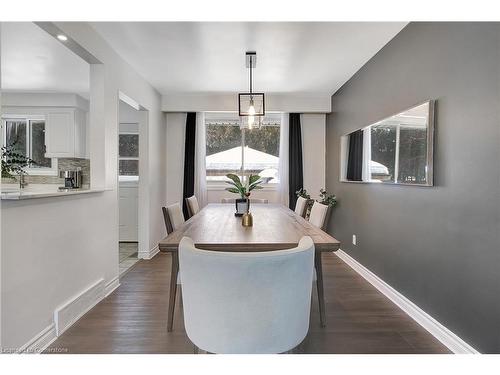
<point x="251" y="105"/>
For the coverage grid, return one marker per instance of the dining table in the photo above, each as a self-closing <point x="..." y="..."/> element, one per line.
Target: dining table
<point x="275" y="227"/>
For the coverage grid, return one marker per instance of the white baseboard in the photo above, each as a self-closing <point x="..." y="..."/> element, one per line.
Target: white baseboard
<point x="74" y="309"/>
<point x="111" y="286"/>
<point x="439" y="331"/>
<point x="148" y="254"/>
<point x="41" y="341"/>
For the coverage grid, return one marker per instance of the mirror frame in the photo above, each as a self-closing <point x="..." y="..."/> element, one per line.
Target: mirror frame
<point x="430" y="147"/>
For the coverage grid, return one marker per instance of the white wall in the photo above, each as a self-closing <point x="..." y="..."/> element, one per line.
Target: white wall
<point x="15" y="99"/>
<point x="175" y="137"/>
<point x="313" y="152"/>
<point x="229" y="102"/>
<point x="53" y="248"/>
<point x="127" y="114"/>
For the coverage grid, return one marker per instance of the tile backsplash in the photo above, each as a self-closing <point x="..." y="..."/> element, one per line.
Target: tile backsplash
<point x="63" y="164"/>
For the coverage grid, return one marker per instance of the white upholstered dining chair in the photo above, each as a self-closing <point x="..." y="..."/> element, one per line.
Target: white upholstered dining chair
<point x="174" y="218"/>
<point x="252" y="200"/>
<point x="246" y="302"/>
<point x="318" y="216"/>
<point x="175" y="215"/>
<point x="300" y="206"/>
<point x="192" y="205"/>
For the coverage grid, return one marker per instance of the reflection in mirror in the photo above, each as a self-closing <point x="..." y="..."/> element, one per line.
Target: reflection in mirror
<point x="396" y="150"/>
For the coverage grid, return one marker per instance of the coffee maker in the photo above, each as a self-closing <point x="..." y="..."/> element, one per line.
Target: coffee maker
<point x="72" y="179"/>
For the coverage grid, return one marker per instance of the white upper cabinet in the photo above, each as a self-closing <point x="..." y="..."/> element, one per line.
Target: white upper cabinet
<point x="65" y="134"/>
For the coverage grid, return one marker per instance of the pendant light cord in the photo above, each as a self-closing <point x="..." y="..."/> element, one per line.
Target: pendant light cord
<point x="251" y="65"/>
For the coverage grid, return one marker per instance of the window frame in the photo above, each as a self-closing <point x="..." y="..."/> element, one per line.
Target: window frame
<point x="42" y="171"/>
<point x="128" y="157"/>
<point x="220" y="186"/>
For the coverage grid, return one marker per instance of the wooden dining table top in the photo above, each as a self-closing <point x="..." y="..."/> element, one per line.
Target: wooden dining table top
<point x="275" y="227"/>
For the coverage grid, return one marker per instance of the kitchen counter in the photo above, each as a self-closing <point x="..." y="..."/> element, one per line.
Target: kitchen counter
<point x="34" y="191"/>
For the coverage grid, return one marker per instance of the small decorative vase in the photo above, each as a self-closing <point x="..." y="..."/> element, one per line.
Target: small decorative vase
<point x="247" y="220"/>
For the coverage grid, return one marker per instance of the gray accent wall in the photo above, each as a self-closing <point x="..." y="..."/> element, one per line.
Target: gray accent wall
<point x="438" y="246"/>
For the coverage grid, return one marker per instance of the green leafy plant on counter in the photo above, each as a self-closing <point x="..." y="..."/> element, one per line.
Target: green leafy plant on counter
<point x="253" y="183"/>
<point x="329" y="200"/>
<point x="13" y="162"/>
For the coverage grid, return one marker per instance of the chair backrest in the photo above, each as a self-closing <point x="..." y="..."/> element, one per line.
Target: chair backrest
<point x="246" y="302"/>
<point x="252" y="200"/>
<point x="318" y="215"/>
<point x="300" y="206"/>
<point x="166" y="218"/>
<point x="192" y="205"/>
<point x="176" y="216"/>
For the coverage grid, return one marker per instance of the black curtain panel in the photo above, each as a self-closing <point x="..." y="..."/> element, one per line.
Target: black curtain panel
<point x="189" y="150"/>
<point x="296" y="175"/>
<point x="355" y="156"/>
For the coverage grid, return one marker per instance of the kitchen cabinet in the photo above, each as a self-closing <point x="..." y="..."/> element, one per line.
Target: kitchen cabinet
<point x="66" y="133"/>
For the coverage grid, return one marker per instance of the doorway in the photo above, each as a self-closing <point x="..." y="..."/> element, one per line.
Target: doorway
<point x="128" y="185"/>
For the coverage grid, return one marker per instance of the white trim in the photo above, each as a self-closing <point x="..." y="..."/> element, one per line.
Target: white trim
<point x="436" y="329"/>
<point x="111" y="287"/>
<point x="128" y="100"/>
<point x="41" y="341"/>
<point x="67" y="314"/>
<point x="148" y="254"/>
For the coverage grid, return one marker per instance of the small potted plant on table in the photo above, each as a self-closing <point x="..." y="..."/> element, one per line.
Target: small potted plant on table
<point x="252" y="183"/>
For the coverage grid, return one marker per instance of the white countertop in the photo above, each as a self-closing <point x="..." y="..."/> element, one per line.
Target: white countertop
<point x="34" y="191"/>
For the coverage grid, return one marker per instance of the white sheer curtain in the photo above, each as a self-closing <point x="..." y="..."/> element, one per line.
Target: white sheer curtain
<point x="367" y="154"/>
<point x="200" y="171"/>
<point x="284" y="163"/>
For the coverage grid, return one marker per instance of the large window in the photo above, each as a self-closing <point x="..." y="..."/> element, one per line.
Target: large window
<point x="27" y="136"/>
<point x="243" y="152"/>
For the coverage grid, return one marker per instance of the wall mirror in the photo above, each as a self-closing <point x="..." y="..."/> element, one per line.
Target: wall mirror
<point x="395" y="150"/>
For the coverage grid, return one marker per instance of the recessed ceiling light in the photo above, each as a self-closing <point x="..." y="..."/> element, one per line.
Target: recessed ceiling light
<point x="62" y="37"/>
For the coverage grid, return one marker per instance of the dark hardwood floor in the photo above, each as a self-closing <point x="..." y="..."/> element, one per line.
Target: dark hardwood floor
<point x="133" y="319"/>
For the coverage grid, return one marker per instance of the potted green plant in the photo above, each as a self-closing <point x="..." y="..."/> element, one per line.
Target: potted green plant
<point x="252" y="183"/>
<point x="14" y="163"/>
<point x="329" y="200"/>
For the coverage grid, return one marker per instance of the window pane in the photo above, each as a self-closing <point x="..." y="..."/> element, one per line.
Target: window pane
<point x="38" y="145"/>
<point x="223" y="151"/>
<point x="383" y="140"/>
<point x="412" y="155"/>
<point x="128" y="145"/>
<point x="15" y="131"/>
<point x="262" y="148"/>
<point x="129" y="167"/>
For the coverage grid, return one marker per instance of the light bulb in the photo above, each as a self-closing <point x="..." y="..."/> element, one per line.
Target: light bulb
<point x="251" y="110"/>
<point x="62" y="37"/>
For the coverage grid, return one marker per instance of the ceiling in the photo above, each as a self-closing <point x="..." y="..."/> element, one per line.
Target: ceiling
<point x="209" y="57"/>
<point x="34" y="61"/>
